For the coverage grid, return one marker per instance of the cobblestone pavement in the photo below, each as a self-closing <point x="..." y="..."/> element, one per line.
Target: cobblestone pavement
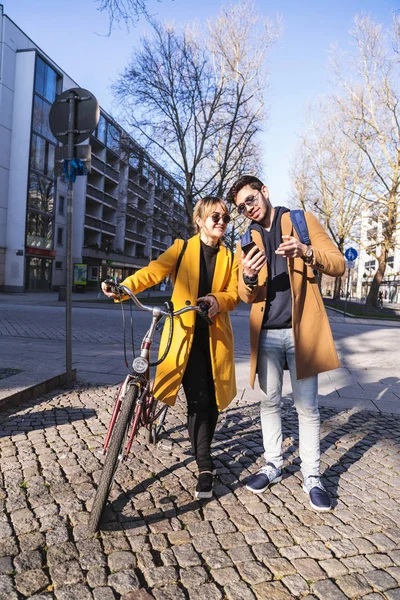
<point x="157" y="541"/>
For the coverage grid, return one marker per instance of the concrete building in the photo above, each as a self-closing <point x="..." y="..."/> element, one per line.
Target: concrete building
<point x="366" y="265"/>
<point x="124" y="211"/>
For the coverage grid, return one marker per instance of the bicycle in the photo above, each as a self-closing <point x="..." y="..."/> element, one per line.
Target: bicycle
<point x="135" y="405"/>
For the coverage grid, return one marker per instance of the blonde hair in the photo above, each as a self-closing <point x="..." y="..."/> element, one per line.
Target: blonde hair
<point x="204" y="207"/>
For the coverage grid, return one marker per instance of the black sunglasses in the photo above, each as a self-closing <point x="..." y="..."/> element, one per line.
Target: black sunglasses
<point x="250" y="201"/>
<point x="216" y="217"/>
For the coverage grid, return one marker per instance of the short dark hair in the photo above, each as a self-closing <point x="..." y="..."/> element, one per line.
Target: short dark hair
<point x="253" y="182"/>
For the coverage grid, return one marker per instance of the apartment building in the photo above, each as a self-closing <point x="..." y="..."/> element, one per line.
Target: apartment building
<point x="366" y="265"/>
<point x="125" y="211"/>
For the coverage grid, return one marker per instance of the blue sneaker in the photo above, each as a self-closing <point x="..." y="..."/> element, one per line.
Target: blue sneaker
<point x="319" y="498"/>
<point x="265" y="477"/>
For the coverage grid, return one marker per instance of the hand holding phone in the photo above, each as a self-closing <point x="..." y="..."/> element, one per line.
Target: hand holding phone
<point x="246" y="249"/>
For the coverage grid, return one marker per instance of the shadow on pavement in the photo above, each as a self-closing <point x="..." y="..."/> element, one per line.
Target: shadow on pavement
<point x="347" y="443"/>
<point x="42" y="419"/>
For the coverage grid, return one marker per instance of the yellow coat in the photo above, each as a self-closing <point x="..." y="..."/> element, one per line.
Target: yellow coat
<point x="170" y="372"/>
<point x="314" y="346"/>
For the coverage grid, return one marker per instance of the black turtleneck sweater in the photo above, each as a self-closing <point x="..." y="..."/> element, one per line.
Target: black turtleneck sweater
<point x="278" y="306"/>
<point x="208" y="257"/>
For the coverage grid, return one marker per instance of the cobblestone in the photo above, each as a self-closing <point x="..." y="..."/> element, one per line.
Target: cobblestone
<point x="157" y="541"/>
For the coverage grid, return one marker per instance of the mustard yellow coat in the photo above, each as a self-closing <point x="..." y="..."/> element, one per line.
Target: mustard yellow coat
<point x="314" y="346"/>
<point x="170" y="372"/>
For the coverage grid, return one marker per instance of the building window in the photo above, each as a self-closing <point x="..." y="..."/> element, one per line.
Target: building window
<point x="45" y="80"/>
<point x="60" y="236"/>
<point x="41" y="193"/>
<point x="61" y="205"/>
<point x="101" y="130"/>
<point x="42" y="155"/>
<point x="59" y="265"/>
<point x="134" y="161"/>
<point x="39" y="231"/>
<point x="113" y="136"/>
<point x="41" y="185"/>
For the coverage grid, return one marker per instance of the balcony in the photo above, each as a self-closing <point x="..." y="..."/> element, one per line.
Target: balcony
<point x="137" y="189"/>
<point x="108" y="227"/>
<point x="97" y="163"/>
<point x="94" y="192"/>
<point x="135" y="237"/>
<point x="159" y="245"/>
<point x="161" y="226"/>
<point x="162" y="205"/>
<point x="93" y="222"/>
<point x="112" y="173"/>
<point x="99" y="225"/>
<point x="110" y="200"/>
<point x="135" y="212"/>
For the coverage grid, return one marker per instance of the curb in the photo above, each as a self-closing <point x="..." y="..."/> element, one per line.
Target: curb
<point x="33" y="391"/>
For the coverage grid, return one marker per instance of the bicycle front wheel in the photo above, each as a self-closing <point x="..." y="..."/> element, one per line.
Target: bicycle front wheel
<point x="115" y="449"/>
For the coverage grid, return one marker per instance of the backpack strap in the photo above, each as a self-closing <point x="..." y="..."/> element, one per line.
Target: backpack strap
<point x="299" y="223"/>
<point x="178" y="264"/>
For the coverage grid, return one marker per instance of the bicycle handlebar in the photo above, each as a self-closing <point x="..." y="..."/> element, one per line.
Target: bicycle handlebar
<point x="201" y="309"/>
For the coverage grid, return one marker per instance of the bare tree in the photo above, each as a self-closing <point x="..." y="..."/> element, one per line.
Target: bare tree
<point x="196" y="102"/>
<point x="125" y="11"/>
<point x="330" y="176"/>
<point x="370" y="119"/>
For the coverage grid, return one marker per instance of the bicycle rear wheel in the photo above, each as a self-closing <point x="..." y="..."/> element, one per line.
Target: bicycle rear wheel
<point x="115" y="448"/>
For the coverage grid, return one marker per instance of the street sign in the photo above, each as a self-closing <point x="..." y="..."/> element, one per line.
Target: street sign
<point x="351" y="254"/>
<point x="86" y="117"/>
<point x="350" y="264"/>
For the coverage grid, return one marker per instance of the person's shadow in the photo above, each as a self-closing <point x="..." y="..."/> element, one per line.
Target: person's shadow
<point x="237" y="450"/>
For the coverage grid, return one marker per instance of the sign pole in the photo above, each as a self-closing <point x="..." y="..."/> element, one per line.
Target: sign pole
<point x="347" y="292"/>
<point x="73" y="117"/>
<point x="70" y="189"/>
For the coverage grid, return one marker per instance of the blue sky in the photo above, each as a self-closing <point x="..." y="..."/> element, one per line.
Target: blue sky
<point x="73" y="33"/>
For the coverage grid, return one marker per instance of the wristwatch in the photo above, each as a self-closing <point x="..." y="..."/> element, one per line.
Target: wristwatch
<point x="308" y="257"/>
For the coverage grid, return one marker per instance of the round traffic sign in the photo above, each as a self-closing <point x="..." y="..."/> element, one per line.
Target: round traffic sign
<point x="351" y="254"/>
<point x="87" y="114"/>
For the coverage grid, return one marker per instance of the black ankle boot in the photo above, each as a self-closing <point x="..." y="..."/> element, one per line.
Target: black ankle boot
<point x="204" y="485"/>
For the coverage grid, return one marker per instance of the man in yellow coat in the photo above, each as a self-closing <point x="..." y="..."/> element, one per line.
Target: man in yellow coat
<point x="288" y="327"/>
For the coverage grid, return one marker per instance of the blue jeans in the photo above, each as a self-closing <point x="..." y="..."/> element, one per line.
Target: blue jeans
<point x="276" y="346"/>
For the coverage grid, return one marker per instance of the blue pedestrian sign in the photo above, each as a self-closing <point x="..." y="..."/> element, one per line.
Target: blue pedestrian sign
<point x="351" y="254"/>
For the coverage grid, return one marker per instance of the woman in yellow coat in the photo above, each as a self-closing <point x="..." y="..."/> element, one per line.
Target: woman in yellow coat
<point x="201" y="356"/>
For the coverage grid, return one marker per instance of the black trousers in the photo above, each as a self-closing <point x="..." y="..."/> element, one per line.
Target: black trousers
<point x="200" y="395"/>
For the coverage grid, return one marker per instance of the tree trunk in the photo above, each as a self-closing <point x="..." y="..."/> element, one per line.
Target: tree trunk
<point x="372" y="298"/>
<point x="337" y="288"/>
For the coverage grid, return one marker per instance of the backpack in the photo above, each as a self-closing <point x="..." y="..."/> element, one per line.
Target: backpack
<point x="178" y="264"/>
<point x="300" y="224"/>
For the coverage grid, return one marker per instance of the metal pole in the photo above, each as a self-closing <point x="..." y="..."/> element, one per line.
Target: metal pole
<point x="68" y="297"/>
<point x="347" y="292"/>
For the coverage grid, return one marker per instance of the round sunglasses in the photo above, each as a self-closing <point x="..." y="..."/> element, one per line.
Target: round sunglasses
<point x="215" y="217"/>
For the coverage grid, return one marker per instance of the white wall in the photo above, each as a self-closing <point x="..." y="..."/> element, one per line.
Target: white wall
<point x="19" y="164"/>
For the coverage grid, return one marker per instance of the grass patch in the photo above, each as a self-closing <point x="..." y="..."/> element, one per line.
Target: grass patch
<point x="363" y="311"/>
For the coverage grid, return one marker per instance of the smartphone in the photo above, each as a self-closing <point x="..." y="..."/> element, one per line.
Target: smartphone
<point x="246" y="242"/>
<point x="246" y="249"/>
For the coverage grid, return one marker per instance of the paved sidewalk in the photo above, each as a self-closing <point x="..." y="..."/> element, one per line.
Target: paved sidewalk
<point x="157" y="541"/>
